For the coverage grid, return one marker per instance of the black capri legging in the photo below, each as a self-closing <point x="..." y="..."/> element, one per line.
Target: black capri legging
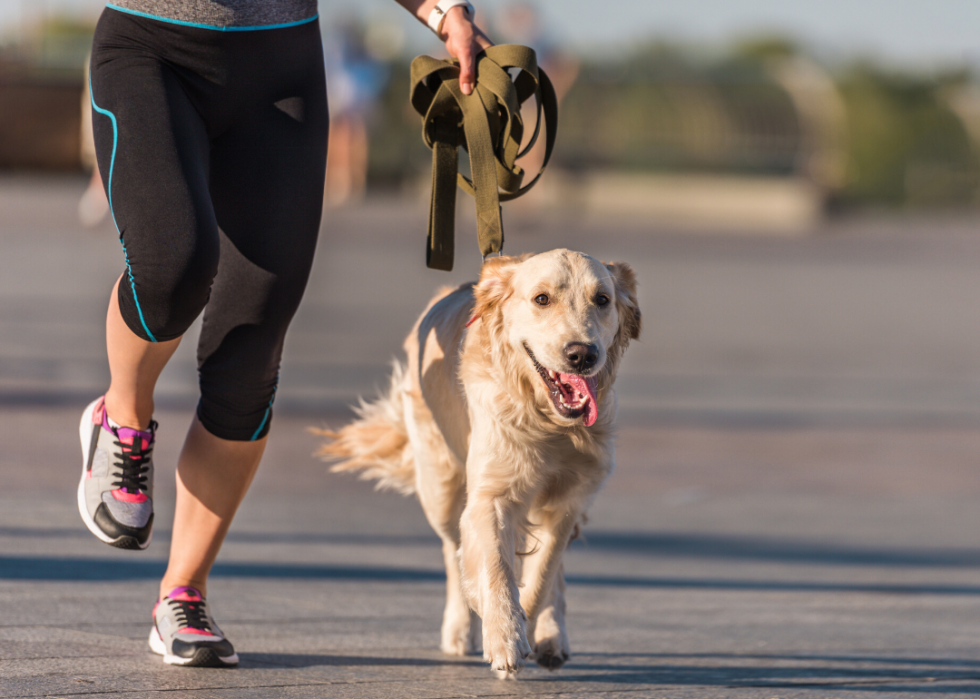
<point x="212" y="148"/>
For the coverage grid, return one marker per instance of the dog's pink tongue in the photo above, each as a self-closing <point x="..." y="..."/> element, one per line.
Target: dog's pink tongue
<point x="585" y="385"/>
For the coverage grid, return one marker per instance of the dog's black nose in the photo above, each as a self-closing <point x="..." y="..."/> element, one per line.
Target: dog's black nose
<point x="581" y="356"/>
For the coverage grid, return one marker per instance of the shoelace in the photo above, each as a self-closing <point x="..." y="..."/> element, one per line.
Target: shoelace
<point x="192" y="614"/>
<point x="133" y="460"/>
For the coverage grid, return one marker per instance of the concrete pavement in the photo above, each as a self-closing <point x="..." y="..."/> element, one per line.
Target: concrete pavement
<point x="795" y="511"/>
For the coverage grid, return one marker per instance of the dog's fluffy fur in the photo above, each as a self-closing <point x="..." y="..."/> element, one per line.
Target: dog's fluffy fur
<point x="503" y="469"/>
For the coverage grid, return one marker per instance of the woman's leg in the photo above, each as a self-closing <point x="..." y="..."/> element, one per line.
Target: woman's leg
<point x="135" y="366"/>
<point x="153" y="150"/>
<point x="266" y="187"/>
<point x="213" y="475"/>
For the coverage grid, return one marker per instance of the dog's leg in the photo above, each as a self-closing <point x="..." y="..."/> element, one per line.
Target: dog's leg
<point x="543" y="589"/>
<point x="487" y="562"/>
<point x="461" y="628"/>
<point x="441" y="486"/>
<point x="547" y="631"/>
<point x="442" y="502"/>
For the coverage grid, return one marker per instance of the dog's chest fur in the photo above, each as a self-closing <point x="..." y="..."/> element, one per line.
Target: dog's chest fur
<point x="473" y="379"/>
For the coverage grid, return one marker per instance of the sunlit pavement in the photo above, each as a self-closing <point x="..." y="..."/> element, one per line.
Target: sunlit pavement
<point x="795" y="511"/>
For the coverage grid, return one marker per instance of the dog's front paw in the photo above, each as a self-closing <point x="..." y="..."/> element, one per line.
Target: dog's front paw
<point x="505" y="643"/>
<point x="551" y="649"/>
<point x="550" y="654"/>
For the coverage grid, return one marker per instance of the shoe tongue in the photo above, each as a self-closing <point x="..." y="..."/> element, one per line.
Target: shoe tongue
<point x="586" y="386"/>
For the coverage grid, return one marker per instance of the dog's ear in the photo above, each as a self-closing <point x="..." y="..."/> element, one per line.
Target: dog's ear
<point x="630" y="319"/>
<point x="494" y="285"/>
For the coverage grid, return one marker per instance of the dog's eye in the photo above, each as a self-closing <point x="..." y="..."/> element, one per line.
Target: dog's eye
<point x="542" y="299"/>
<point x="601" y="300"/>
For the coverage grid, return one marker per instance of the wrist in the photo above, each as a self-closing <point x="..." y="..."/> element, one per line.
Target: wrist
<point x="434" y="14"/>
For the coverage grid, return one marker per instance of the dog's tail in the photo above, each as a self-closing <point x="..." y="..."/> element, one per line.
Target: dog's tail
<point x="376" y="443"/>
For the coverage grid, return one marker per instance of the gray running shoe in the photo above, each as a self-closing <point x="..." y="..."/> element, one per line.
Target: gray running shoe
<point x="184" y="632"/>
<point x="115" y="494"/>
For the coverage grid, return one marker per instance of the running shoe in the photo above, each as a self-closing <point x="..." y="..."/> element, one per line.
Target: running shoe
<point x="115" y="494"/>
<point x="185" y="633"/>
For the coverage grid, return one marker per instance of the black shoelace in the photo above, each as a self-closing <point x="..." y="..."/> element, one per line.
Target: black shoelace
<point x="192" y="614"/>
<point x="133" y="463"/>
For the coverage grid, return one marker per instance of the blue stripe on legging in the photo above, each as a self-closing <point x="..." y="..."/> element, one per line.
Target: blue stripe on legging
<point x="112" y="165"/>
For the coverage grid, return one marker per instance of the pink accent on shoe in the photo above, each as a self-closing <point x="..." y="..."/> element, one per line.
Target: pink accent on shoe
<point x="185" y="594"/>
<point x="126" y="434"/>
<point x="124" y="496"/>
<point x="191" y="629"/>
<point x="98" y="415"/>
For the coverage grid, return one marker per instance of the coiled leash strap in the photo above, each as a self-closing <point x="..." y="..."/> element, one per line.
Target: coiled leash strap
<point x="488" y="124"/>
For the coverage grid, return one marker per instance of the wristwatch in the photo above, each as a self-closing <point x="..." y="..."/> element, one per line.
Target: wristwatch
<point x="438" y="13"/>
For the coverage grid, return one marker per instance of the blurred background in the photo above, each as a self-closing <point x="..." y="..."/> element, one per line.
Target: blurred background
<point x="792" y="182"/>
<point x="797" y="186"/>
<point x="757" y="115"/>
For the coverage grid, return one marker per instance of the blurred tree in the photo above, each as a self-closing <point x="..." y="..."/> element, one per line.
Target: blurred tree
<point x="865" y="136"/>
<point x="907" y="145"/>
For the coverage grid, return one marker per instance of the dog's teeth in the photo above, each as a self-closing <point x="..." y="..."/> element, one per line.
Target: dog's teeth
<point x="552" y="375"/>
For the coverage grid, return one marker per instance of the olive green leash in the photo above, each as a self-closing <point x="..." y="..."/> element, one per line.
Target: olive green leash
<point x="488" y="124"/>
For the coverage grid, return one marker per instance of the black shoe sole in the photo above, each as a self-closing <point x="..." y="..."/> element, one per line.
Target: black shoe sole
<point x="206" y="657"/>
<point x="128" y="543"/>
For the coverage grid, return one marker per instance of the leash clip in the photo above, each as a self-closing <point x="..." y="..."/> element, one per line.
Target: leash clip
<point x="500" y="253"/>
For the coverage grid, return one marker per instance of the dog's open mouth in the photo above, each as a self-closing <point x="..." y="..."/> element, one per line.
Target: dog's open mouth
<point x="572" y="394"/>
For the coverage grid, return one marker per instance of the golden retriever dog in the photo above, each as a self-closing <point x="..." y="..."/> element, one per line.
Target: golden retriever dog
<point x="501" y="421"/>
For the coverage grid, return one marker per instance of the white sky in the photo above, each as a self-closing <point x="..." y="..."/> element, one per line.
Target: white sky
<point x="910" y="32"/>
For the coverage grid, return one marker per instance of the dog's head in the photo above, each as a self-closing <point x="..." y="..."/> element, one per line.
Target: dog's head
<point x="564" y="319"/>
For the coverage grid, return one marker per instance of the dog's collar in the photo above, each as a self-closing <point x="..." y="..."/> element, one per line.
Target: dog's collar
<point x="476" y="317"/>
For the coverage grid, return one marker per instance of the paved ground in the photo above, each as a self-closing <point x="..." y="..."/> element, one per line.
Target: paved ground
<point x="795" y="512"/>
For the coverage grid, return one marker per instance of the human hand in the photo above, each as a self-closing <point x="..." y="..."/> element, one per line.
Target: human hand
<point x="464" y="40"/>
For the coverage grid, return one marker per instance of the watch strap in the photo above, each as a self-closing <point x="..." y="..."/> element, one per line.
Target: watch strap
<point x="438" y="14"/>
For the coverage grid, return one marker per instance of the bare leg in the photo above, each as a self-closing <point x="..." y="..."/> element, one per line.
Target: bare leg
<point x="213" y="475"/>
<point x="135" y="365"/>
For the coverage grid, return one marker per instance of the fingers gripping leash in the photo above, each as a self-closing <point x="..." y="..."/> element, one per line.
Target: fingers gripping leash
<point x="488" y="124"/>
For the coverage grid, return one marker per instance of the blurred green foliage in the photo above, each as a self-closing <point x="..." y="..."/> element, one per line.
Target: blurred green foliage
<point x="906" y="145"/>
<point x="663" y="109"/>
<point x="658" y="111"/>
<point x="902" y="137"/>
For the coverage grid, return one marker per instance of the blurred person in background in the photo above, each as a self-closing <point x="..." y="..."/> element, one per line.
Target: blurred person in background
<point x="93" y="205"/>
<point x="356" y="78"/>
<point x="210" y="125"/>
<point x="520" y="23"/>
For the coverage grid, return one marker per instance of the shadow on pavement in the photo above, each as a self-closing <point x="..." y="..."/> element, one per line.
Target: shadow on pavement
<point x="723" y="547"/>
<point x="114" y="569"/>
<point x="944" y="676"/>
<point x="297" y="660"/>
<point x="662" y="545"/>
